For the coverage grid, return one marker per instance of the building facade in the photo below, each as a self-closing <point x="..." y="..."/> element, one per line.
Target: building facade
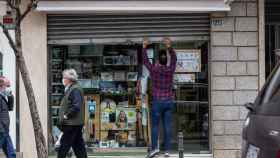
<point x="229" y="38"/>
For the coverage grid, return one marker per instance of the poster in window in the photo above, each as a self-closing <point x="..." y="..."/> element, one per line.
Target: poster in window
<point x="183" y="78"/>
<point x="108" y="113"/>
<point x="125" y="118"/>
<point x="188" y="60"/>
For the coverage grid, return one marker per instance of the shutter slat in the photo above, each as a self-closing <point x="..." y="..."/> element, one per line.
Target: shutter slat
<point x="86" y="27"/>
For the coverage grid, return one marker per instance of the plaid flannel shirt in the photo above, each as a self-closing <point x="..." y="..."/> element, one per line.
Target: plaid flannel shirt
<point x="162" y="76"/>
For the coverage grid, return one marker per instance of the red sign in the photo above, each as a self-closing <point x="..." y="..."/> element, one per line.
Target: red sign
<point x="8" y="20"/>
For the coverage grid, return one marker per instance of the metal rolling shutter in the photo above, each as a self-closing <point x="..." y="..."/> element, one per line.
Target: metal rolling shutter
<point x="127" y="27"/>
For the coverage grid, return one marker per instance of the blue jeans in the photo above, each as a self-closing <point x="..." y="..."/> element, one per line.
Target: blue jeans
<point x="7" y="145"/>
<point x="164" y="109"/>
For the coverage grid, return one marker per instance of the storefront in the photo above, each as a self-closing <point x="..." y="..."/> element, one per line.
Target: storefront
<point x="105" y="50"/>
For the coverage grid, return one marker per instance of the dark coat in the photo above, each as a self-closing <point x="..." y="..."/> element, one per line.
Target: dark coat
<point x="5" y="107"/>
<point x="72" y="106"/>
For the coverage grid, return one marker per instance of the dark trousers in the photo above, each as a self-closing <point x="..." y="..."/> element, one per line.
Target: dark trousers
<point x="164" y="109"/>
<point x="72" y="137"/>
<point x="7" y="145"/>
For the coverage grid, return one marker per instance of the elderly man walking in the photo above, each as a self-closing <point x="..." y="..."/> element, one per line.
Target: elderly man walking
<point x="6" y="105"/>
<point x="72" y="112"/>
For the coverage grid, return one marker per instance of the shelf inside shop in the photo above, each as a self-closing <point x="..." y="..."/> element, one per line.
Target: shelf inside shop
<point x="84" y="56"/>
<point x="56" y="60"/>
<point x="57" y="84"/>
<point x="119" y="81"/>
<point x="115" y="94"/>
<point x="57" y="94"/>
<point x="120" y="65"/>
<point x="57" y="71"/>
<point x="117" y="130"/>
<point x="55" y="106"/>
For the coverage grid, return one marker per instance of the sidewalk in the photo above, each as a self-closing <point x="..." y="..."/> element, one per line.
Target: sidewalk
<point x="143" y="156"/>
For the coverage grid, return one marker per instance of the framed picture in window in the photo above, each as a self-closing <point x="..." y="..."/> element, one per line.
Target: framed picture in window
<point x="126" y="118"/>
<point x="188" y="60"/>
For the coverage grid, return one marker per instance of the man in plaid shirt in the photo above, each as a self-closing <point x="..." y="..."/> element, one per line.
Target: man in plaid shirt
<point x="162" y="82"/>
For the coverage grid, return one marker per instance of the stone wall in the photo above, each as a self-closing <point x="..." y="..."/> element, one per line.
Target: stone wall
<point x="234" y="74"/>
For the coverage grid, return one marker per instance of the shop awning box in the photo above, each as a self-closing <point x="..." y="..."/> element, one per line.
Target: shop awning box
<point x="129" y="6"/>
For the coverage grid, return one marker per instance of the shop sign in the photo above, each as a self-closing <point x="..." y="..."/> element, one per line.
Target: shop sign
<point x="9" y="22"/>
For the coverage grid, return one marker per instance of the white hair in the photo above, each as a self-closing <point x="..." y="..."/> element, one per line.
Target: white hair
<point x="70" y="74"/>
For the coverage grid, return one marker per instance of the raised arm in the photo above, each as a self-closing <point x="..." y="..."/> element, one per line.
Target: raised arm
<point x="146" y="61"/>
<point x="168" y="43"/>
<point x="173" y="59"/>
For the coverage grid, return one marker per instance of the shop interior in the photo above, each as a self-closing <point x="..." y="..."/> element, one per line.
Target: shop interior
<point x="116" y="115"/>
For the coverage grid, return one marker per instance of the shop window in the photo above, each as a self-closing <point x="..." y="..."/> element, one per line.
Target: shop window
<point x="115" y="116"/>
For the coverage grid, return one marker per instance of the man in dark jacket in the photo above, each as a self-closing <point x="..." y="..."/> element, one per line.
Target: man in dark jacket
<point x="71" y="116"/>
<point x="6" y="105"/>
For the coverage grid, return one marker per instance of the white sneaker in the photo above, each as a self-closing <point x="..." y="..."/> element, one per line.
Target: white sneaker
<point x="166" y="154"/>
<point x="153" y="153"/>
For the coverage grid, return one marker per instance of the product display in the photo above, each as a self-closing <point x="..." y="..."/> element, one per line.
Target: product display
<point x="132" y="76"/>
<point x="85" y="83"/>
<point x="91" y="108"/>
<point x="184" y="78"/>
<point x="122" y="138"/>
<point x="133" y="56"/>
<point x="123" y="104"/>
<point x="126" y="118"/>
<point x="108" y="105"/>
<point x="108" y="77"/>
<point x="119" y="76"/>
<point x="116" y="60"/>
<point x="95" y="84"/>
